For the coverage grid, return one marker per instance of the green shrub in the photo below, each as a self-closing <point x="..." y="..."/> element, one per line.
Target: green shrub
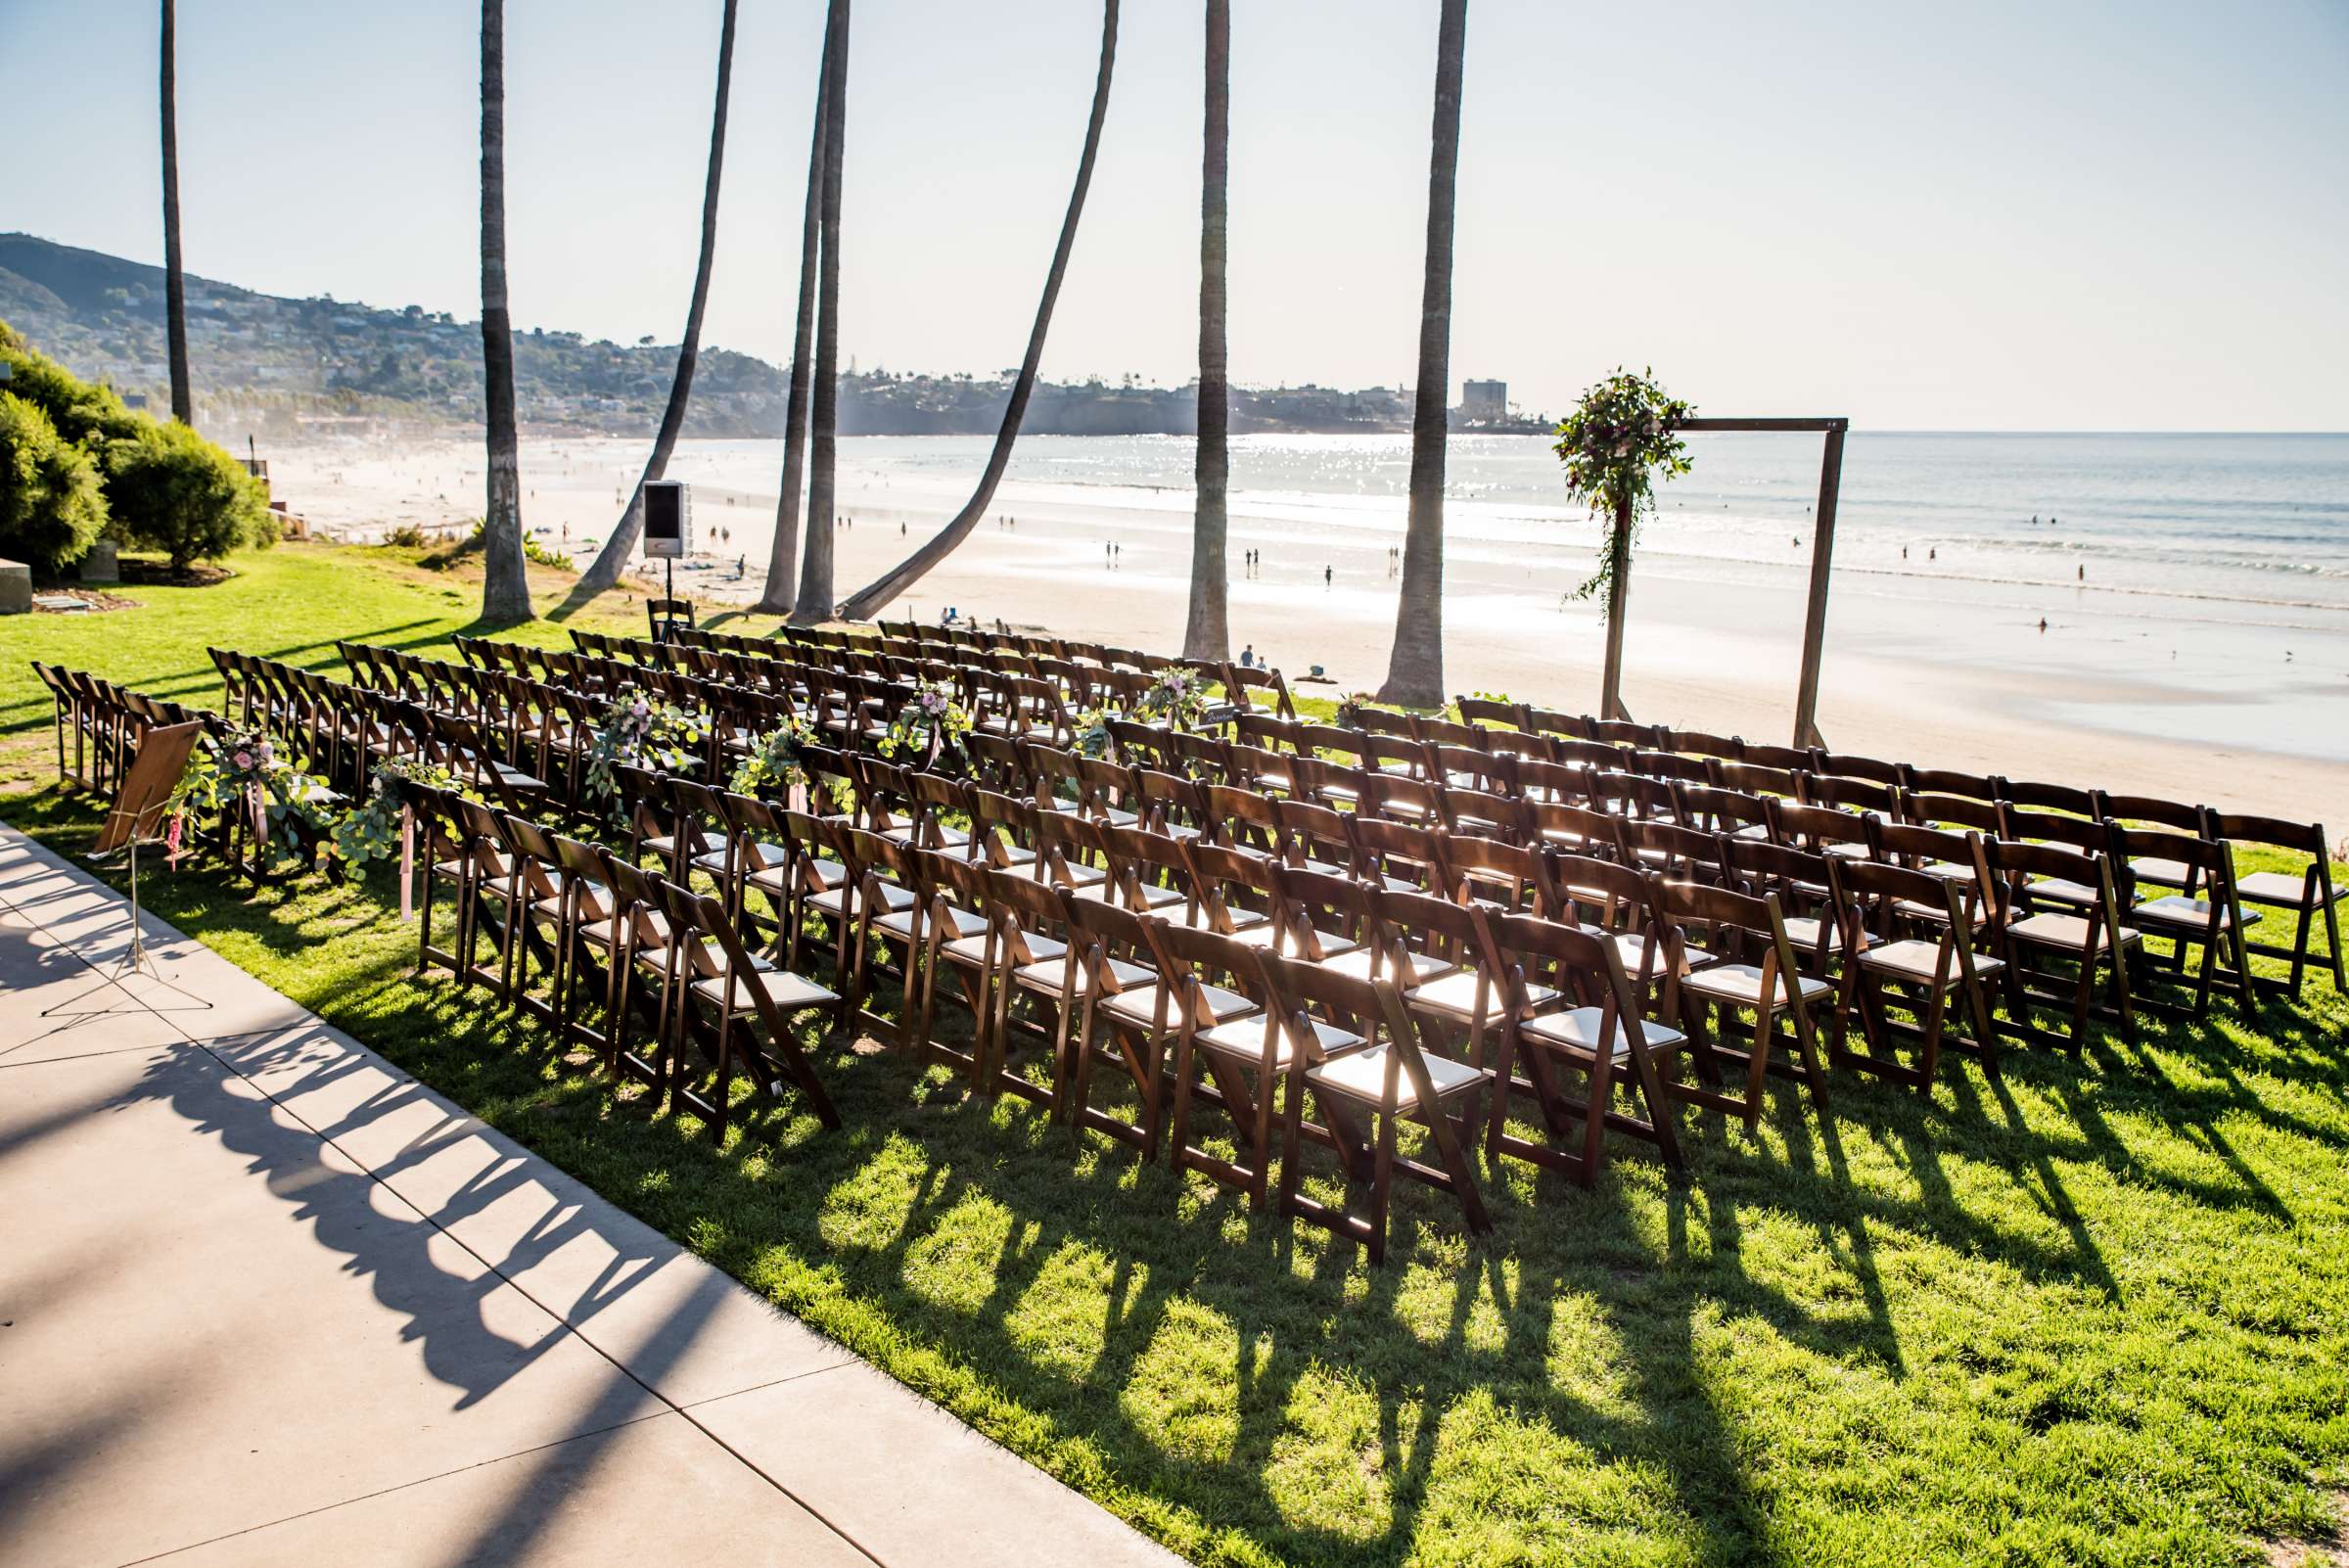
<point x="83" y="413"/>
<point x="50" y="504"/>
<point x="172" y="490"/>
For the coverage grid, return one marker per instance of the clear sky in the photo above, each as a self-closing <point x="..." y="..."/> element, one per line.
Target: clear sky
<point x="1987" y="215"/>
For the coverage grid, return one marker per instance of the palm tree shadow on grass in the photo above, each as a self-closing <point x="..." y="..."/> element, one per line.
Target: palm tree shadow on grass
<point x="1166" y="1256"/>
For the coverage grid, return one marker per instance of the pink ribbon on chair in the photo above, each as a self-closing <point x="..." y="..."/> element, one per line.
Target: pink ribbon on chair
<point x="407" y="861"/>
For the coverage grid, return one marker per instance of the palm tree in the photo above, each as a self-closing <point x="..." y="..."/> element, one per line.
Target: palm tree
<point x="877" y="594"/>
<point x="1207" y="634"/>
<point x="176" y="283"/>
<point x="1415" y="668"/>
<point x="814" y="603"/>
<point x="783" y="563"/>
<point x="617" y="549"/>
<point x="505" y="583"/>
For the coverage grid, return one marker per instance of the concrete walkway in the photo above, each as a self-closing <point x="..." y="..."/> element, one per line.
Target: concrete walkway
<point x="264" y="1299"/>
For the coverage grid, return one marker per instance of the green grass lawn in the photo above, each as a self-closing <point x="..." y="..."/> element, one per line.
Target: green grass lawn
<point x="2090" y="1311"/>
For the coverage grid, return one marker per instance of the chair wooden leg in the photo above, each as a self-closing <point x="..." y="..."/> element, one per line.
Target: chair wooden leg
<point x="1260" y="1136"/>
<point x="2121" y="999"/>
<point x="1292" y="1138"/>
<point x="1595" y="1118"/>
<point x="1382" y="1179"/>
<point x="1185" y="1064"/>
<point x="2084" y="998"/>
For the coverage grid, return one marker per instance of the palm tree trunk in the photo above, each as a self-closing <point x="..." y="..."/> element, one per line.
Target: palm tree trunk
<point x="505" y="582"/>
<point x="615" y="554"/>
<point x="814" y="602"/>
<point x="782" y="564"/>
<point x="1415" y="668"/>
<point x="176" y="283"/>
<point x="876" y="595"/>
<point x="1207" y="633"/>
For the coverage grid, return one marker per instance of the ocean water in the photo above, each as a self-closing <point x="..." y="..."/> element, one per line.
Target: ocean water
<point x="2255" y="527"/>
<point x="2191" y="588"/>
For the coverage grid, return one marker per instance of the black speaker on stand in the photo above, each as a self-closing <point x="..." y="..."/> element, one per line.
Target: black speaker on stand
<point x="668" y="534"/>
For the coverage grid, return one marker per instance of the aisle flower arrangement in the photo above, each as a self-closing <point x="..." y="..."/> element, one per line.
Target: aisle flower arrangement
<point x="635" y="731"/>
<point x="931" y="725"/>
<point x="1092" y="733"/>
<point x="1178" y="696"/>
<point x="773" y="764"/>
<point x="370" y="831"/>
<point x="244" y="771"/>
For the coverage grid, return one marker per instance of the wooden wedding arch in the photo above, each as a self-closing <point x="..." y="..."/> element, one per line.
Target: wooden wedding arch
<point x="1822" y="553"/>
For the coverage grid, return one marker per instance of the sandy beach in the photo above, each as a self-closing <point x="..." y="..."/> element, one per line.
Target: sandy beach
<point x="2157" y="699"/>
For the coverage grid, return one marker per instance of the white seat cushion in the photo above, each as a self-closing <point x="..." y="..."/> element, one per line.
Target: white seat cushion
<point x="831" y="901"/>
<point x="1917" y="960"/>
<point x="2059" y="889"/>
<point x="1048" y="975"/>
<point x="1363" y="1075"/>
<point x="2178" y="911"/>
<point x="790" y="993"/>
<point x="1454" y="995"/>
<point x="1803" y="932"/>
<point x="1245" y="1038"/>
<point x="2160" y="871"/>
<point x="900" y="923"/>
<point x="1263" y="934"/>
<point x="1140" y="1005"/>
<point x="1630" y="950"/>
<point x="1356" y="963"/>
<point x="1579" y="1029"/>
<point x="2284" y="888"/>
<point x="2061" y="931"/>
<point x="1741" y="984"/>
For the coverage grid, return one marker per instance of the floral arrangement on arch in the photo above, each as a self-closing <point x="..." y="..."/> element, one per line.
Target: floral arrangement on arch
<point x="243" y="771"/>
<point x="773" y="764"/>
<point x="932" y="725"/>
<point x="635" y="731"/>
<point x="1622" y="435"/>
<point x="1178" y="696"/>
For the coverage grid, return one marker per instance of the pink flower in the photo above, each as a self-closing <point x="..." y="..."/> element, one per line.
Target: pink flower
<point x="243" y="759"/>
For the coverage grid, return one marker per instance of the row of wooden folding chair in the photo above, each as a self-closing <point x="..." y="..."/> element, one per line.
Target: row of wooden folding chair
<point x="662" y="959"/>
<point x="102" y="722"/>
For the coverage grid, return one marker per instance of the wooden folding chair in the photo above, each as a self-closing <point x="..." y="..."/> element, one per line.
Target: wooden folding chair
<point x="1909" y="935"/>
<point x="1754" y="971"/>
<point x="2214" y="921"/>
<point x="1568" y="1003"/>
<point x="1225" y="1021"/>
<point x="2312" y="894"/>
<point x="742" y="990"/>
<point x="1038" y="959"/>
<point x="1386" y="1078"/>
<point x="2022" y="875"/>
<point x="1123" y="1017"/>
<point x="887" y="909"/>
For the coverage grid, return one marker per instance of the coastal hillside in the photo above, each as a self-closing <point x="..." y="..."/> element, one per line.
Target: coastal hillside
<point x="286" y="367"/>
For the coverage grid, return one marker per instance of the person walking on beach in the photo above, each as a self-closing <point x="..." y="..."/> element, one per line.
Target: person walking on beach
<point x="1248" y="656"/>
<point x="1330" y="576"/>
